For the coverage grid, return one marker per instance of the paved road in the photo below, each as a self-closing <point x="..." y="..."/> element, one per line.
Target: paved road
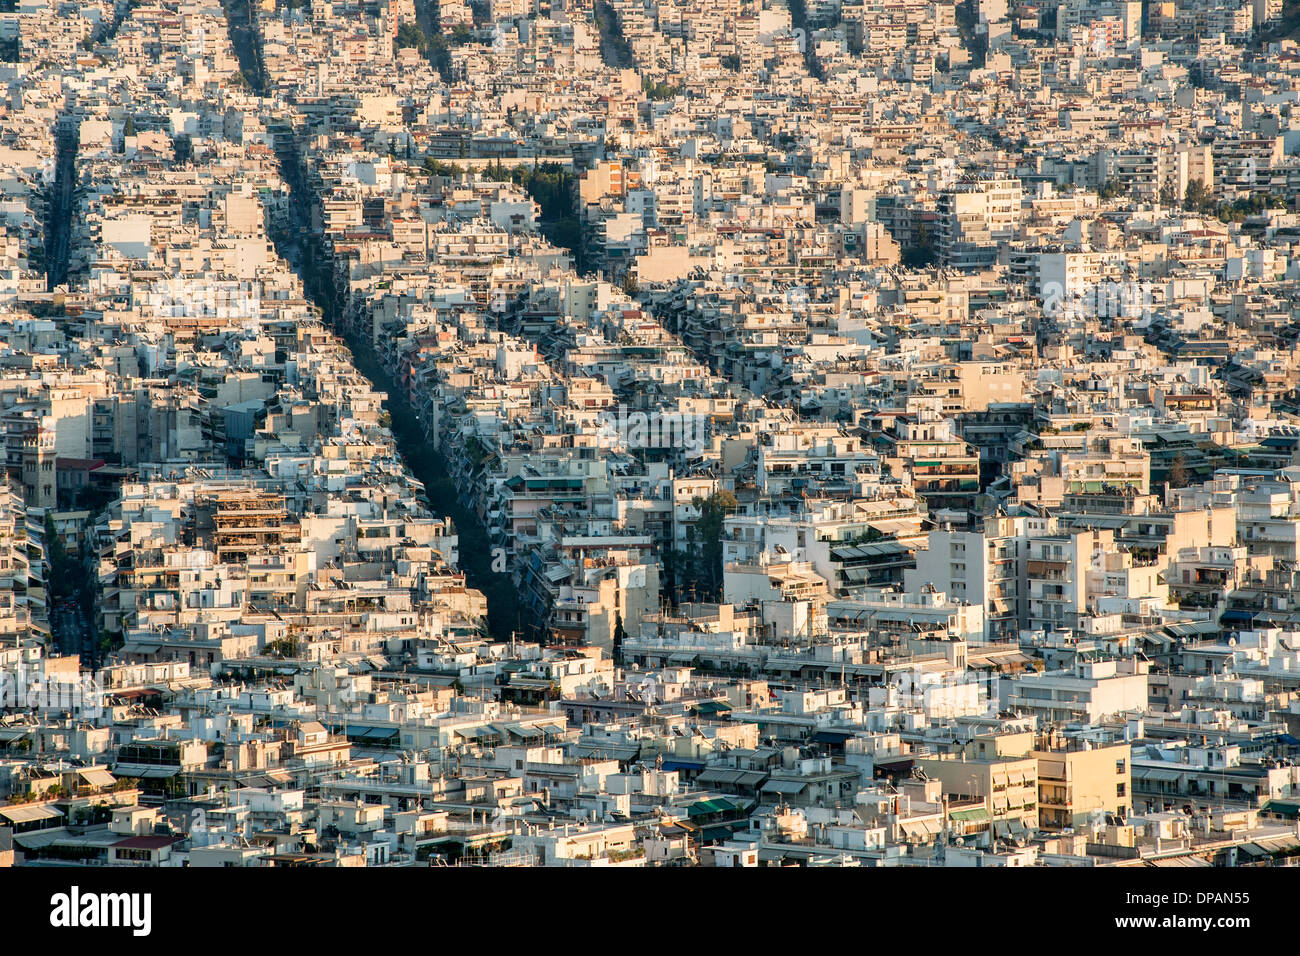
<point x="72" y="633"/>
<point x="59" y="247"/>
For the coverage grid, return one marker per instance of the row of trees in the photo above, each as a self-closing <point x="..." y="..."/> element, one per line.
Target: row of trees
<point x="1198" y="198"/>
<point x="435" y="48"/>
<point x="658" y="90"/>
<point x="614" y="48"/>
<point x="553" y="186"/>
<point x="550" y="184"/>
<point x="695" y="571"/>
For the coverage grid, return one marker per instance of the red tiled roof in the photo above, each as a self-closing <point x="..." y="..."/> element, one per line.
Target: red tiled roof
<point x="147" y="842"/>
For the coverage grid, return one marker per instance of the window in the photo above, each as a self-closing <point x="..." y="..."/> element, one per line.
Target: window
<point x="1119" y="766"/>
<point x="1120" y="790"/>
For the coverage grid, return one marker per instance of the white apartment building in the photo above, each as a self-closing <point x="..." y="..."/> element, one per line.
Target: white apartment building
<point x="974" y="216"/>
<point x="1090" y="693"/>
<point x="985" y="567"/>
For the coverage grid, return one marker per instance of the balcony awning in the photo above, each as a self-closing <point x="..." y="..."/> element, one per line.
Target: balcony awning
<point x="720" y="831"/>
<point x="1282" y="808"/>
<point x="1009" y="829"/>
<point x="974" y="815"/>
<point x="712" y="707"/>
<point x="785" y="786"/>
<point x="832" y="736"/>
<point x="98" y="778"/>
<point x="145" y="773"/>
<point x="369" y="734"/>
<point x="691" y="765"/>
<point x="1251" y="850"/>
<point x="705" y="808"/>
<point x="927" y="826"/>
<point x="525" y="733"/>
<point x="1278" y="844"/>
<point x="1237" y="614"/>
<point x="1154" y="773"/>
<point x="29" y="814"/>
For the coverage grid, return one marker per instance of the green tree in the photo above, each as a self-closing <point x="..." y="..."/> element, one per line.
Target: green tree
<point x="1112" y="189"/>
<point x="439" y="55"/>
<point x="436" y="167"/>
<point x="708" y="534"/>
<point x="410" y="35"/>
<point x="658" y="90"/>
<point x="1196" y="197"/>
<point x="283" y="647"/>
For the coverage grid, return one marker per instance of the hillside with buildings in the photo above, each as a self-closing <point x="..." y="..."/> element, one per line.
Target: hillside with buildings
<point x="649" y="433"/>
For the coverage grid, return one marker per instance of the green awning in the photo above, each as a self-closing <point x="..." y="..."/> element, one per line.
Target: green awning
<point x="706" y="807"/>
<point x="712" y="707"/>
<point x="1282" y="808"/>
<point x="719" y="831"/>
<point x="977" y="815"/>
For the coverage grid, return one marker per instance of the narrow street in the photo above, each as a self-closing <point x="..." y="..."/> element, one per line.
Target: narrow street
<point x="420" y="454"/>
<point x="58" y="247"/>
<point x="614" y="48"/>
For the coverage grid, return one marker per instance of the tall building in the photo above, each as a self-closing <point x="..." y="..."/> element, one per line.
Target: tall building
<point x="975" y="216"/>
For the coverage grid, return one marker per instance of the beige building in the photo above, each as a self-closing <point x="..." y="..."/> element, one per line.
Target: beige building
<point x="1075" y="785"/>
<point x="994" y="790"/>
